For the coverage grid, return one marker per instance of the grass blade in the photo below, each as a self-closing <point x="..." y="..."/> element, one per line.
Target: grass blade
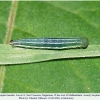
<point x="11" y="55"/>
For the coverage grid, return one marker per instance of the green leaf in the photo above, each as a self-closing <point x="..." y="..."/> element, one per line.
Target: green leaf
<point x="50" y="19"/>
<point x="11" y="55"/>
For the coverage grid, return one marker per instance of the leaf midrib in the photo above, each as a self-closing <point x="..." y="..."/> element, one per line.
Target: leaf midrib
<point x="10" y="24"/>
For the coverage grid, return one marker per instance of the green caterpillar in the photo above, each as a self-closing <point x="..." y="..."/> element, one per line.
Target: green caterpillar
<point x="51" y="43"/>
